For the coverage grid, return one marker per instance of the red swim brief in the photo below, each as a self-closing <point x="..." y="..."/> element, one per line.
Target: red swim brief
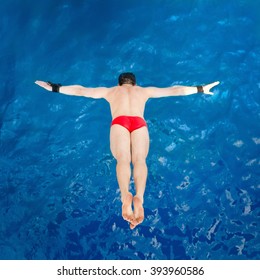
<point x="131" y="123"/>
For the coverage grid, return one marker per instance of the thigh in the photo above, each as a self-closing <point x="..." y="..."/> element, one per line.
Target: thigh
<point x="120" y="142"/>
<point x="139" y="143"/>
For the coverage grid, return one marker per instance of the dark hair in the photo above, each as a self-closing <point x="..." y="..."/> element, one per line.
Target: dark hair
<point x="126" y="78"/>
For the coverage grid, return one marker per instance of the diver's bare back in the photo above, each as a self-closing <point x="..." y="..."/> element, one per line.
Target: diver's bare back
<point x="127" y="100"/>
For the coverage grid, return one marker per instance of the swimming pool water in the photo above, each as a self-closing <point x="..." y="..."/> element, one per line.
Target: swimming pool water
<point x="59" y="197"/>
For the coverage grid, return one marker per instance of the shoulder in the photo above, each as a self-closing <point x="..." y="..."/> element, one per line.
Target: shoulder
<point x="105" y="90"/>
<point x="109" y="92"/>
<point x="143" y="89"/>
<point x="147" y="91"/>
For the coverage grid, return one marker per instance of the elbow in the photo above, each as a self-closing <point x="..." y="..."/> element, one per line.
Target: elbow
<point x="80" y="90"/>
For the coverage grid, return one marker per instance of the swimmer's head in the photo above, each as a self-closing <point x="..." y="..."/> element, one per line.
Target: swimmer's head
<point x="127" y="78"/>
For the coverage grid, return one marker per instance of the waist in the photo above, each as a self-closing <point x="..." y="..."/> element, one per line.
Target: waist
<point x="128" y="117"/>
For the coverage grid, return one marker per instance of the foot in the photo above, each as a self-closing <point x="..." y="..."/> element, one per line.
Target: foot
<point x="138" y="212"/>
<point x="127" y="211"/>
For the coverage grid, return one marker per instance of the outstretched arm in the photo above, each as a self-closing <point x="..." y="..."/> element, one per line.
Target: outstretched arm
<point x="154" y="92"/>
<point x="99" y="92"/>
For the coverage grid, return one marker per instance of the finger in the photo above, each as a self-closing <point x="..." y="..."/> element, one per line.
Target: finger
<point x="214" y="84"/>
<point x="40" y="83"/>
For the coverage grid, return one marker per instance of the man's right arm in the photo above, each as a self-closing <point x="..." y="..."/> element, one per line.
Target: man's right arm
<point x="77" y="90"/>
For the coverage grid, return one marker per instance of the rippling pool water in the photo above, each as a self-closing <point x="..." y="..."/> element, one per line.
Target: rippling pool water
<point x="59" y="197"/>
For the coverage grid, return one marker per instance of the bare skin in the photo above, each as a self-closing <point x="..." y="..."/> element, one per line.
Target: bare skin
<point x="126" y="147"/>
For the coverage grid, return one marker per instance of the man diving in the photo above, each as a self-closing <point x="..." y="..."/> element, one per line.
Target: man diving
<point x="129" y="138"/>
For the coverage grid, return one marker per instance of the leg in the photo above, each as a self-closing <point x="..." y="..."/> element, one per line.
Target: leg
<point x="140" y="148"/>
<point x="120" y="148"/>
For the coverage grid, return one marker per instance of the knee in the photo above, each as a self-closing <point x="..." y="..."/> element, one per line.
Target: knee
<point x="138" y="160"/>
<point x="123" y="158"/>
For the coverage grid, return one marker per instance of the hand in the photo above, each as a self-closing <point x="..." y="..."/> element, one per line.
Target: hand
<point x="208" y="87"/>
<point x="44" y="85"/>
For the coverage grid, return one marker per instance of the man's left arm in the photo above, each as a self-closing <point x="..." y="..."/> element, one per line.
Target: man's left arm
<point x="154" y="92"/>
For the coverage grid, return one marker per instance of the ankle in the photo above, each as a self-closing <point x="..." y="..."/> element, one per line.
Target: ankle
<point x="125" y="196"/>
<point x="140" y="197"/>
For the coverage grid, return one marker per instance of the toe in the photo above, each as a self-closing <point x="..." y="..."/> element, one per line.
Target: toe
<point x="132" y="226"/>
<point x="140" y="220"/>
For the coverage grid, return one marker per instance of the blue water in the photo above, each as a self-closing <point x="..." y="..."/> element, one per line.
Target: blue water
<point x="59" y="197"/>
